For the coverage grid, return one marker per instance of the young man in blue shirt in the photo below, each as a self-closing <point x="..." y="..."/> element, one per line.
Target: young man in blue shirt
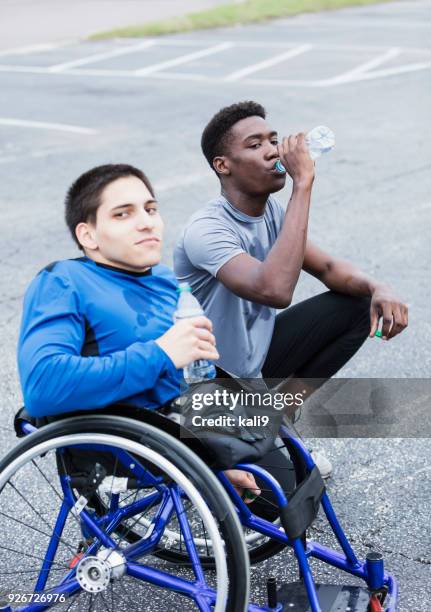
<point x="98" y="330"/>
<point x="242" y="255"/>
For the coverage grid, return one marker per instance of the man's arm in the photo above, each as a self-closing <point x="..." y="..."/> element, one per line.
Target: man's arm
<point x="56" y="378"/>
<point x="273" y="281"/>
<point x="344" y="277"/>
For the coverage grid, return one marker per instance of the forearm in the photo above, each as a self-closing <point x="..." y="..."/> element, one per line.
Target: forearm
<point x="344" y="277"/>
<point x="280" y="271"/>
<point x="62" y="382"/>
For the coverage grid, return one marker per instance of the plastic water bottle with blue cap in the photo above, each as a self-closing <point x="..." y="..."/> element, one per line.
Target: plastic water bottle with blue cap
<point x="319" y="140"/>
<point x="188" y="307"/>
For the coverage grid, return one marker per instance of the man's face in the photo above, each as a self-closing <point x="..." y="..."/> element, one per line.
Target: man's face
<point x="251" y="156"/>
<point x="128" y="230"/>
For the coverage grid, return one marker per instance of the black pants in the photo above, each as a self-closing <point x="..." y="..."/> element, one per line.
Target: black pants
<point x="317" y="337"/>
<point x="312" y="339"/>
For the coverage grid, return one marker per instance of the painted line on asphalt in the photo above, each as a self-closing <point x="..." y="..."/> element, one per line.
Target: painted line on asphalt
<point x="23" y="69"/>
<point x="284" y="82"/>
<point x="184" y="59"/>
<point x="42" y="125"/>
<point x="272" y="61"/>
<point x="366" y="76"/>
<point x="379" y="74"/>
<point x="99" y="57"/>
<point x="30" y="49"/>
<point x="173" y="76"/>
<point x="250" y="44"/>
<point x="186" y="76"/>
<point x="176" y="42"/>
<point x="365" y="67"/>
<point x="359" y="73"/>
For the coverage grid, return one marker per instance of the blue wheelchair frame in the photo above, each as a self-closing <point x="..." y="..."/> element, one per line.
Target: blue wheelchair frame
<point x="370" y="572"/>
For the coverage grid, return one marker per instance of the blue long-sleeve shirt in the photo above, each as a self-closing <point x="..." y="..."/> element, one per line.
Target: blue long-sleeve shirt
<point x="87" y="338"/>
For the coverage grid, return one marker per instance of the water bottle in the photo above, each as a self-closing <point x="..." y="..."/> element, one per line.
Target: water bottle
<point x="319" y="140"/>
<point x="187" y="307"/>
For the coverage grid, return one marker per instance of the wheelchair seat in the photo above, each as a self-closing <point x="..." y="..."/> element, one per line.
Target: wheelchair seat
<point x="156" y="418"/>
<point x="218" y="450"/>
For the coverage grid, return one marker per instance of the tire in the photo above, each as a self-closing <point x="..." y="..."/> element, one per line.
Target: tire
<point x="183" y="474"/>
<point x="259" y="548"/>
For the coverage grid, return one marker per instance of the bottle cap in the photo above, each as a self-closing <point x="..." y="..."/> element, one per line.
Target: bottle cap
<point x="378" y="333"/>
<point x="279" y="167"/>
<point x="184" y="287"/>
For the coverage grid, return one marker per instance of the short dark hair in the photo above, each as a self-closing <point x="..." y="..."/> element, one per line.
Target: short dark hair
<point x="84" y="195"/>
<point x="215" y="137"/>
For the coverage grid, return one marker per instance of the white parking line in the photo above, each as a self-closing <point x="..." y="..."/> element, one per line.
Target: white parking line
<point x="184" y="59"/>
<point x="275" y="44"/>
<point x="24" y="69"/>
<point x="41" y="125"/>
<point x="378" y="74"/>
<point x="272" y="61"/>
<point x="29" y="49"/>
<point x="285" y="82"/>
<point x="104" y="72"/>
<point x="185" y="76"/>
<point x="98" y="57"/>
<point x="364" y="68"/>
<point x="159" y="70"/>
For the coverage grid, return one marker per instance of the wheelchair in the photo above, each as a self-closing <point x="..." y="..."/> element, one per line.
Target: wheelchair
<point x="104" y="512"/>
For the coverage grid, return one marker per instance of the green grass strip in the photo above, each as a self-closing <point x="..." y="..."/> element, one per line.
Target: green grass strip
<point x="250" y="11"/>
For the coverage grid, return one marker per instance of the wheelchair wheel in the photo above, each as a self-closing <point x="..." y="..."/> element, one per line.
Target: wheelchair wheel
<point x="60" y="550"/>
<point x="259" y="547"/>
<point x="172" y="547"/>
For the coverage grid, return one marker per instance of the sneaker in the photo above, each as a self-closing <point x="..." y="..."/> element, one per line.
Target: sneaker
<point x="323" y="463"/>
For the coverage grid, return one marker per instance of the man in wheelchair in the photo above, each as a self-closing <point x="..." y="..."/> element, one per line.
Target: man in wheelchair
<point x="105" y="491"/>
<point x="98" y="330"/>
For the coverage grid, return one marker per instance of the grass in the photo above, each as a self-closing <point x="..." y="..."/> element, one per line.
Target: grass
<point x="248" y="11"/>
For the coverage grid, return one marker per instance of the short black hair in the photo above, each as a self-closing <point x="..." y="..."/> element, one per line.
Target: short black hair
<point x="84" y="195"/>
<point x="215" y="137"/>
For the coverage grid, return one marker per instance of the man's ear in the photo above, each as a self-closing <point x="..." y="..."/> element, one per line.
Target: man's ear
<point x="221" y="165"/>
<point x="86" y="236"/>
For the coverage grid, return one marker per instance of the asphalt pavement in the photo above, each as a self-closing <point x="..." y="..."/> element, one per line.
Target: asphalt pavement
<point x="365" y="72"/>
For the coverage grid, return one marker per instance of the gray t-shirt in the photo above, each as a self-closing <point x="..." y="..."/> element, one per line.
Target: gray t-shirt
<point x="214" y="235"/>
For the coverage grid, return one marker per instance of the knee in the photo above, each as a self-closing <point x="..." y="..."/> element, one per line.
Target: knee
<point x="362" y="304"/>
<point x="361" y="313"/>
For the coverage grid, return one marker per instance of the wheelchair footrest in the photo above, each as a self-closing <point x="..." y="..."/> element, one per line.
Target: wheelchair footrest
<point x="332" y="598"/>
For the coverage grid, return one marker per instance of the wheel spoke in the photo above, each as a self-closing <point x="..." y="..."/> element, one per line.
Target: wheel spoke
<point x="30" y="505"/>
<point x="20" y="552"/>
<point x="12" y="518"/>
<point x="34" y="571"/>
